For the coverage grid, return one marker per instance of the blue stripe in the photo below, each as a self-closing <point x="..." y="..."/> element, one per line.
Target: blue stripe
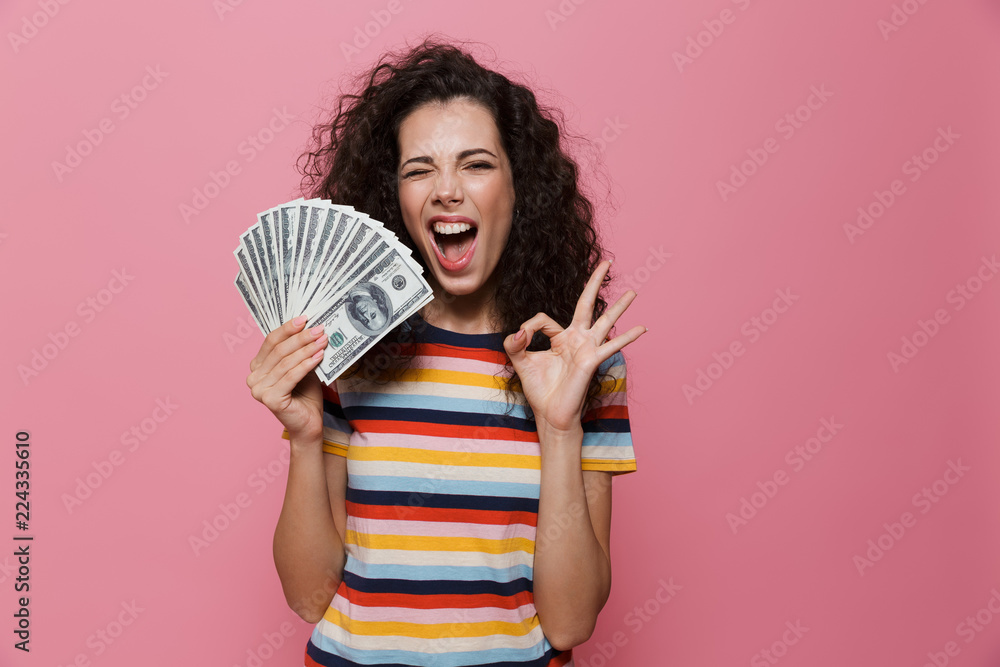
<point x="437" y="586"/>
<point x="406" y="499"/>
<point x="615" y="360"/>
<point x="606" y="426"/>
<point x="428" y="402"/>
<point x="439" y="417"/>
<point x="327" y="652"/>
<point x="597" y="439"/>
<point x="418" y="330"/>
<point x="421" y="487"/>
<point x="436" y="572"/>
<point x="333" y="417"/>
<point x="337" y="423"/>
<point x="333" y="408"/>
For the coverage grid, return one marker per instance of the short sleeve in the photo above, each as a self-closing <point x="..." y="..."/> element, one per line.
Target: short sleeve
<point x="607" y="437"/>
<point x="336" y="429"/>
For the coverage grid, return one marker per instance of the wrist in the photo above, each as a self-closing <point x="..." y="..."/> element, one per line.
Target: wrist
<point x="556" y="434"/>
<point x="303" y="442"/>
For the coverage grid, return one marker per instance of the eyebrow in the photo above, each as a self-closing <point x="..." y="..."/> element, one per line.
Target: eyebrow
<point x="425" y="159"/>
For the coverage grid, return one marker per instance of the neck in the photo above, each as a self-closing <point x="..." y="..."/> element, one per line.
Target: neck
<point x="466" y="313"/>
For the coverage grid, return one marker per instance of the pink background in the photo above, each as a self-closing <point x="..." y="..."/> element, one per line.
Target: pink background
<point x="670" y="134"/>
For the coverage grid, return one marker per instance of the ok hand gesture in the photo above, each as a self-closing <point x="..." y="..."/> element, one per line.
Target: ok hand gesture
<point x="555" y="381"/>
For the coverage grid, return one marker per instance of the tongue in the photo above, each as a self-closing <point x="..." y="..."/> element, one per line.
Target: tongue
<point x="454" y="246"/>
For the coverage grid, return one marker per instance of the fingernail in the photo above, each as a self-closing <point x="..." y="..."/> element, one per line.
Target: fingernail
<point x="520" y="332"/>
<point x="299" y="321"/>
<point x="316" y="331"/>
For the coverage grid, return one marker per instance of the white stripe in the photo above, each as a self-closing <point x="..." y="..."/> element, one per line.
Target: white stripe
<point x="366" y="555"/>
<point x="449" y="472"/>
<point x="460" y="364"/>
<point x="619" y="454"/>
<point x="614" y="398"/>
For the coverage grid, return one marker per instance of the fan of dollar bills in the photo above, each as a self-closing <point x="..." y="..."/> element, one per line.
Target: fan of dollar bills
<point x="338" y="267"/>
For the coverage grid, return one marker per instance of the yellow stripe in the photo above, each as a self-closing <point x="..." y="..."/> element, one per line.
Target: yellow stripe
<point x="608" y="464"/>
<point x="436" y="543"/>
<point x="429" y="630"/>
<point x="613" y="386"/>
<point x="432" y="457"/>
<point x="450" y="377"/>
<point x="334" y="448"/>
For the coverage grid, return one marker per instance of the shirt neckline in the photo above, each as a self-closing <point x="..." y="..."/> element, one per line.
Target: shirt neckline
<point x="428" y="333"/>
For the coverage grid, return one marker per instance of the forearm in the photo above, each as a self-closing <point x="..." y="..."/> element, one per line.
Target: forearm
<point x="572" y="572"/>
<point x="308" y="551"/>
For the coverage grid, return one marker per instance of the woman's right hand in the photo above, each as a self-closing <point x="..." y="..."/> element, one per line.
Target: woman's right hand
<point x="281" y="377"/>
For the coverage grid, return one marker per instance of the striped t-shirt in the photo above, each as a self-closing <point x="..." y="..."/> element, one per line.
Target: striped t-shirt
<point x="442" y="501"/>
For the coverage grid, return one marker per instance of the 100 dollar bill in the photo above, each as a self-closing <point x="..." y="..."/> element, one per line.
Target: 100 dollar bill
<point x="385" y="295"/>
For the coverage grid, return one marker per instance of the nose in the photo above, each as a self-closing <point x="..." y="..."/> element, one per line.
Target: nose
<point x="447" y="189"/>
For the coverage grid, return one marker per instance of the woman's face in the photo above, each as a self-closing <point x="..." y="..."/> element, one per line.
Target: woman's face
<point x="456" y="192"/>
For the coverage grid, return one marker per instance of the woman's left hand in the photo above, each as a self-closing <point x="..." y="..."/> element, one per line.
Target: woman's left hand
<point x="555" y="381"/>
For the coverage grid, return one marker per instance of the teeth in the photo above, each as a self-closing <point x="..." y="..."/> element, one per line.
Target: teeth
<point x="445" y="228"/>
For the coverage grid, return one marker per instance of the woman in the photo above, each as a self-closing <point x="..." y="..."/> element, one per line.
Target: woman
<point x="419" y="482"/>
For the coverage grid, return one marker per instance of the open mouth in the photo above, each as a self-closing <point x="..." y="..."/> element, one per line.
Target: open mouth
<point x="455" y="243"/>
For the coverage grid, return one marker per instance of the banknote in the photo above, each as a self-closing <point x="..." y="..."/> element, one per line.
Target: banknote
<point x="337" y="266"/>
<point x="380" y="297"/>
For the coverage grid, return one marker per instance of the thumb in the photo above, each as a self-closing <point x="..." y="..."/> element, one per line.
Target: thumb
<point x="516" y="344"/>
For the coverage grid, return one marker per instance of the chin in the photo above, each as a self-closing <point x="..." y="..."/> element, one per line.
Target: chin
<point x="460" y="285"/>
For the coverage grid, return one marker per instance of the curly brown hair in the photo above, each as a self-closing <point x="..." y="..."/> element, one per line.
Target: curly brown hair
<point x="553" y="245"/>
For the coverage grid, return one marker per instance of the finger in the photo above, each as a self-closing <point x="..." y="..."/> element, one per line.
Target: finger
<point x="289" y="328"/>
<point x="292" y="359"/>
<point x="287" y="383"/>
<point x="605" y="351"/>
<point x="516" y="344"/>
<point x="287" y="347"/>
<point x="276" y="382"/>
<point x="584" y="313"/>
<point x="543" y="323"/>
<point x="602" y="327"/>
<point x="267" y="372"/>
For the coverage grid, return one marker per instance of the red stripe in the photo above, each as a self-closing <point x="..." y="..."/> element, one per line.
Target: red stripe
<point x="607" y="412"/>
<point x="441" y="350"/>
<point x="443" y="601"/>
<point x="443" y="430"/>
<point x="397" y="513"/>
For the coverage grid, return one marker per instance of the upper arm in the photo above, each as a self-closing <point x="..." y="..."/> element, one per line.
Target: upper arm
<point x="597" y="485"/>
<point x="336" y="482"/>
<point x="606" y="449"/>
